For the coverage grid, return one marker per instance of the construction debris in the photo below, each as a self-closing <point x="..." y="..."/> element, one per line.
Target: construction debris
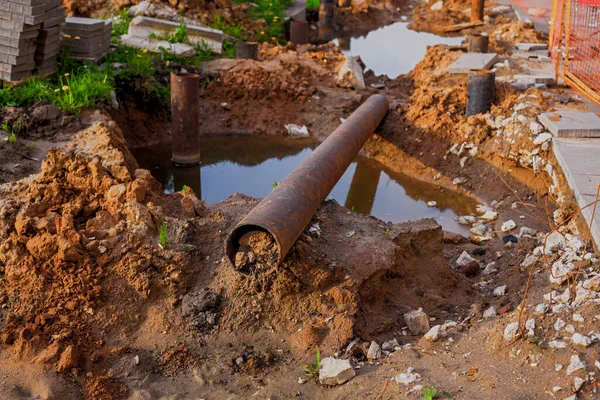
<point x="87" y="38"/>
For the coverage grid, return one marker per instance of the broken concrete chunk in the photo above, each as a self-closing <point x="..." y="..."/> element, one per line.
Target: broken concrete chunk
<point x="144" y="27"/>
<point x="390" y="345"/>
<point x="470" y="61"/>
<point x="417" y="321"/>
<point x="407" y="378"/>
<point x="508" y="225"/>
<point x="374" y="351"/>
<point x="575" y="365"/>
<point x="178" y="49"/>
<point x="435" y="333"/>
<point x="465" y="259"/>
<point x="554" y="242"/>
<point x="511" y="331"/>
<point x="296" y="131"/>
<point x="490" y="312"/>
<point x="581" y="340"/>
<point x="351" y="74"/>
<point x="500" y="291"/>
<point x="335" y="371"/>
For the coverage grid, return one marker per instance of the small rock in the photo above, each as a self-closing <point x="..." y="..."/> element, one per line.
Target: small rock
<point x="464" y="259"/>
<point x="575" y="365"/>
<point x="554" y="242"/>
<point x="374" y="351"/>
<point x="592" y="284"/>
<point x="434" y="333"/>
<point x="581" y="340"/>
<point x="557" y="344"/>
<point x="508" y="226"/>
<point x="407" y="378"/>
<point x="489" y="215"/>
<point x="490" y="313"/>
<point x="500" y="290"/>
<point x="542" y="138"/>
<point x="541" y="308"/>
<point x="417" y="321"/>
<point x="390" y="345"/>
<point x="530" y="326"/>
<point x="335" y="371"/>
<point x="510" y="239"/>
<point x="69" y="359"/>
<point x="490" y="269"/>
<point x="511" y="331"/>
<point x="296" y="131"/>
<point x="478" y="251"/>
<point x="578" y="318"/>
<point x="431" y="204"/>
<point x="559" y="324"/>
<point x="437" y="6"/>
<point x="577" y="383"/>
<point x="459" y="181"/>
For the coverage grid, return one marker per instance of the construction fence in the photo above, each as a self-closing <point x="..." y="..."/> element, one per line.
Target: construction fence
<point x="575" y="44"/>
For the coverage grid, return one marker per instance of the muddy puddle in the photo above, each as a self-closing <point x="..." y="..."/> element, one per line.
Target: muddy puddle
<point x="394" y="49"/>
<point x="252" y="166"/>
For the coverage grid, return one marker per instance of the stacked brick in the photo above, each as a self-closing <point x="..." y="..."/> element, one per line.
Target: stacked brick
<point x="87" y="39"/>
<point x="29" y="37"/>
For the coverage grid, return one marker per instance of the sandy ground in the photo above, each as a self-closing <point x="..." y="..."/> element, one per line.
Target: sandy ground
<point x="94" y="307"/>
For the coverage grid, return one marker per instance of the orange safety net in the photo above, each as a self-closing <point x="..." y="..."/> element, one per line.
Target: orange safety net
<point x="575" y="44"/>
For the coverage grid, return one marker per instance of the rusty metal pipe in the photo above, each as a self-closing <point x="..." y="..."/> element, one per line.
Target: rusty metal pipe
<point x="299" y="32"/>
<point x="477" y="10"/>
<point x="185" y="119"/>
<point x="285" y="212"/>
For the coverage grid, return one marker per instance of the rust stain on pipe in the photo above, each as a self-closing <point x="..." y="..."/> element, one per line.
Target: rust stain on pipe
<point x="185" y="119"/>
<point x="285" y="212"/>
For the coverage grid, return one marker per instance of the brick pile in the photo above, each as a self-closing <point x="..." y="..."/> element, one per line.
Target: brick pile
<point x="30" y="34"/>
<point x="87" y="38"/>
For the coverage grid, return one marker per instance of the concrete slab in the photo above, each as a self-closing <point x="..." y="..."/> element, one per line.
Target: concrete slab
<point x="531" y="54"/>
<point x="179" y="49"/>
<point x="18" y="51"/>
<point x="16" y="60"/>
<point x="531" y="46"/>
<point x="17" y="68"/>
<point x="142" y="27"/>
<point x="471" y="61"/>
<point x="52" y="22"/>
<point x="580" y="162"/>
<point x="4" y="41"/>
<point x="572" y="124"/>
<point x="83" y="24"/>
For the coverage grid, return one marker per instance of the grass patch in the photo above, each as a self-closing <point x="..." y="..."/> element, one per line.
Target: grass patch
<point x="312" y="4"/>
<point x="313" y="369"/>
<point x="162" y="234"/>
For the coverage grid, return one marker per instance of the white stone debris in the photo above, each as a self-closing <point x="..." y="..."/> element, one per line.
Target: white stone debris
<point x="575" y="365"/>
<point x="417" y="321"/>
<point x="431" y="203"/>
<point x="500" y="291"/>
<point x="577" y="383"/>
<point x="490" y="312"/>
<point x="554" y="242"/>
<point x="437" y="6"/>
<point x="592" y="283"/>
<point x="511" y="331"/>
<point x="459" y="181"/>
<point x="489" y="269"/>
<point x="351" y="74"/>
<point x="530" y="326"/>
<point x="508" y="226"/>
<point x="490" y="215"/>
<point x="581" y="340"/>
<point x="464" y="259"/>
<point x="374" y="351"/>
<point x="578" y="318"/>
<point x="335" y="371"/>
<point x="557" y="344"/>
<point x="559" y="324"/>
<point x="435" y="333"/>
<point x="407" y="378"/>
<point x="297" y="131"/>
<point x="541" y="308"/>
<point x="390" y="345"/>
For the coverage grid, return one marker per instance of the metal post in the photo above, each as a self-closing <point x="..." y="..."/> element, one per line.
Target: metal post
<point x="480" y="91"/>
<point x="185" y="119"/>
<point x="477" y="7"/>
<point x="326" y="12"/>
<point x="285" y="212"/>
<point x="479" y="43"/>
<point x="299" y="32"/>
<point x="246" y="50"/>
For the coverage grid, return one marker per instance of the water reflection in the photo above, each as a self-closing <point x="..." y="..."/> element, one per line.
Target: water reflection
<point x="251" y="165"/>
<point x="394" y="49"/>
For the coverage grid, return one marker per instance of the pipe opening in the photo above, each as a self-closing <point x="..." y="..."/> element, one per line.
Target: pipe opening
<point x="252" y="248"/>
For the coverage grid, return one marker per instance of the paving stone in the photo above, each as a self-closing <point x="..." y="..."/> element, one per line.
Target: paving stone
<point x="17" y="68"/>
<point x="531" y="46"/>
<point x="84" y="24"/>
<point x="22" y="18"/>
<point x="572" y="124"/>
<point x="539" y="54"/>
<point x="15" y="76"/>
<point x="471" y="61"/>
<point x="18" y="51"/>
<point x="580" y="161"/>
<point x="5" y="41"/>
<point x="55" y="21"/>
<point x="29" y="2"/>
<point x="15" y="60"/>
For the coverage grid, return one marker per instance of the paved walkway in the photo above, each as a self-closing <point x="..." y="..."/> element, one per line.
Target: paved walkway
<point x="536" y="11"/>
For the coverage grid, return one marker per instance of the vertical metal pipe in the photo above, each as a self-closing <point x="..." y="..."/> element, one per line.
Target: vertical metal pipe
<point x="185" y="119"/>
<point x="479" y="43"/>
<point x="285" y="212"/>
<point x="477" y="7"/>
<point x="299" y="32"/>
<point x="326" y="8"/>
<point x="480" y="91"/>
<point x="363" y="188"/>
<point x="246" y="50"/>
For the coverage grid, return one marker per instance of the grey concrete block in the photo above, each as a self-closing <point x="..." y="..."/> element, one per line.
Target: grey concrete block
<point x="15" y="76"/>
<point x="52" y="22"/>
<point x="17" y="26"/>
<point x="18" y="51"/>
<point x="531" y="46"/>
<point x="16" y="60"/>
<point x="84" y="24"/>
<point x="84" y="47"/>
<point x="534" y="54"/>
<point x="31" y="3"/>
<point x="143" y="27"/>
<point x="17" y="68"/>
<point x="9" y="42"/>
<point x="572" y="124"/>
<point x="471" y="61"/>
<point x="22" y="18"/>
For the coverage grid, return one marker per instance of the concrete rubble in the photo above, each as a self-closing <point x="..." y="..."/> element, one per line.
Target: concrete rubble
<point x="147" y="33"/>
<point x="29" y="38"/>
<point x="351" y="74"/>
<point x="417" y="321"/>
<point x="335" y="371"/>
